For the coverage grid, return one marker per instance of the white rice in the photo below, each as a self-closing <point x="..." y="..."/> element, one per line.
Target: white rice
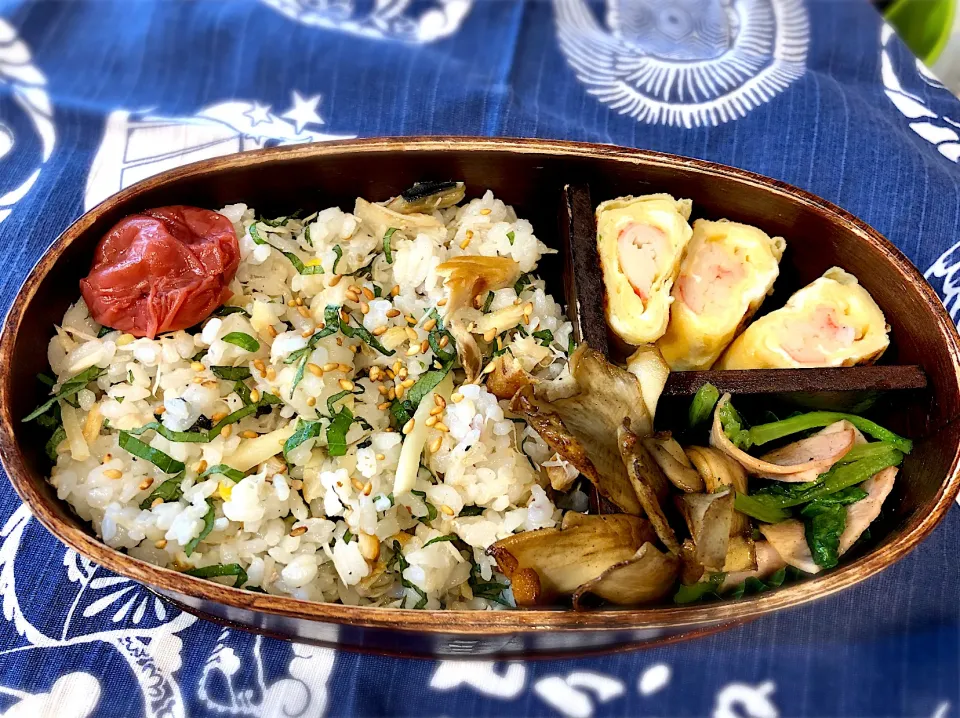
<point x="285" y="522"/>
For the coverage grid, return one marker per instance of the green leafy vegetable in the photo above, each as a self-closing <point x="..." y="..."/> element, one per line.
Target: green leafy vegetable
<point x="387" y="249"/>
<point x="231" y="373"/>
<point x="169" y="490"/>
<point x="511" y="236"/>
<point x="764" y="433"/>
<point x="753" y="586"/>
<point x="309" y="240"/>
<point x="545" y="336"/>
<point x="431" y="509"/>
<point x="824" y="520"/>
<point x="305" y="431"/>
<point x="471" y="510"/>
<point x="223" y="470"/>
<point x="339" y="252"/>
<point x="208" y="519"/>
<point x="103" y="332"/>
<point x="751" y="506"/>
<point x="291" y="257"/>
<point x="166" y="463"/>
<point x="242" y="340"/>
<point x="697" y="591"/>
<point x="399" y="563"/>
<point x="68" y="389"/>
<point x="337" y="432"/>
<point x="183" y="437"/>
<point x="59" y="434"/>
<point x="46" y="380"/>
<point x="733" y="426"/>
<point x="220" y="569"/>
<point x="522" y="283"/>
<point x="701" y="408"/>
<point x="233" y="418"/>
<point x="487" y="302"/>
<point x="439" y="539"/>
<point x="361" y="333"/>
<point x="226" y="311"/>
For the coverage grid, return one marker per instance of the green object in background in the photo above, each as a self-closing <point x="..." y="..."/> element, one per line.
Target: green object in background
<point x="924" y="25"/>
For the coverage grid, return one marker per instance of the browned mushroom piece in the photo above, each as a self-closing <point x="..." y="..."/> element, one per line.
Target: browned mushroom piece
<point x="568" y="557"/>
<point x="508" y="377"/>
<point x="709" y="517"/>
<point x="649" y="484"/>
<point x="719" y="470"/>
<point x="645" y="577"/>
<point x="674" y="463"/>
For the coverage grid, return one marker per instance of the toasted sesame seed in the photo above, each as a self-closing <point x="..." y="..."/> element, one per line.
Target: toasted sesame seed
<point x="447" y="510"/>
<point x="407" y="383"/>
<point x="368" y="293"/>
<point x="431" y="420"/>
<point x="335" y="280"/>
<point x="271" y="374"/>
<point x="346" y="385"/>
<point x="382" y="389"/>
<point x="156" y="502"/>
<point x="395" y="290"/>
<point x="369" y="546"/>
<point x="113" y="474"/>
<point x="124" y="339"/>
<point x="254" y="396"/>
<point x="392" y="394"/>
<point x="198" y="380"/>
<point x="402" y="373"/>
<point x="353" y="288"/>
<point x="411" y="319"/>
<point x="528" y="308"/>
<point x="314" y="369"/>
<point x="343" y="367"/>
<point x="296" y="484"/>
<point x="291" y="303"/>
<point x="303" y="312"/>
<point x="435" y="445"/>
<point x="374" y="372"/>
<point x="339" y="341"/>
<point x="367" y="488"/>
<point x="408" y="427"/>
<point x="271" y="331"/>
<point x="249" y="434"/>
<point x="429" y="325"/>
<point x="146" y="484"/>
<point x="329" y="366"/>
<point x="469" y="234"/>
<point x="489" y="335"/>
<point x="161" y="544"/>
<point x="390" y="374"/>
<point x="226" y="431"/>
<point x="380" y="457"/>
<point x="444" y="340"/>
<point x="400" y="391"/>
<point x="485" y="211"/>
<point x="344" y="316"/>
<point x="220" y="415"/>
<point x="352" y="296"/>
<point x="159" y="410"/>
<point x="307" y="333"/>
<point x="197" y="366"/>
<point x="439" y="401"/>
<point x="436" y="411"/>
<point x="440" y="426"/>
<point x="200" y="467"/>
<point x="411" y="333"/>
<point x="413" y="350"/>
<point x="424" y="345"/>
<point x="299" y="301"/>
<point x="354" y="348"/>
<point x="383" y="406"/>
<point x="391" y="313"/>
<point x="107" y="457"/>
<point x="457" y="397"/>
<point x="437" y="365"/>
<point x="465" y="243"/>
<point x="258" y="363"/>
<point x="299" y="531"/>
<point x="357" y="484"/>
<point x="311" y="401"/>
<point x="442" y="302"/>
<point x="209" y="384"/>
<point x="364" y="308"/>
<point x="379" y="331"/>
<point x="397" y="366"/>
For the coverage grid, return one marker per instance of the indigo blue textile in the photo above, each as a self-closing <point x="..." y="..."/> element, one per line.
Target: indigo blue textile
<point x="96" y="94"/>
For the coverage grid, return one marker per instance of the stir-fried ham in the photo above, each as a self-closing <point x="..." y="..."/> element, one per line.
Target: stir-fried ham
<point x="642" y="249"/>
<point x="863" y="512"/>
<point x="823" y="333"/>
<point x="711" y="278"/>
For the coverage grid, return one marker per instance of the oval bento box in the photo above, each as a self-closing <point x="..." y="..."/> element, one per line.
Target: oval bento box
<point x="555" y="185"/>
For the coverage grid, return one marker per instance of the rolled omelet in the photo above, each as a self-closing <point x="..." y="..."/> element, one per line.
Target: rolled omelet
<point x="641" y="241"/>
<point x="833" y="321"/>
<point x="728" y="270"/>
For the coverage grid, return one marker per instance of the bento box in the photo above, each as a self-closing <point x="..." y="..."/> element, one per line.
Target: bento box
<point x="914" y="389"/>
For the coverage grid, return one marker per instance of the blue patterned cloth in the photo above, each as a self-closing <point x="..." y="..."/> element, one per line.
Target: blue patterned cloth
<point x="96" y="94"/>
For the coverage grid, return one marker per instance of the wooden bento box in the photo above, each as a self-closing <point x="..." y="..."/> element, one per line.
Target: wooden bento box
<point x="556" y="185"/>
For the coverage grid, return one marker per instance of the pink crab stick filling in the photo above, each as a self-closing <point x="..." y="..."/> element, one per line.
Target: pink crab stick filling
<point x="814" y="338"/>
<point x="711" y="279"/>
<point x="643" y="249"/>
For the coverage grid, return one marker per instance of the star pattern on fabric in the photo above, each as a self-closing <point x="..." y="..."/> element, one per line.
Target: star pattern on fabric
<point x="259" y="113"/>
<point x="304" y="111"/>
